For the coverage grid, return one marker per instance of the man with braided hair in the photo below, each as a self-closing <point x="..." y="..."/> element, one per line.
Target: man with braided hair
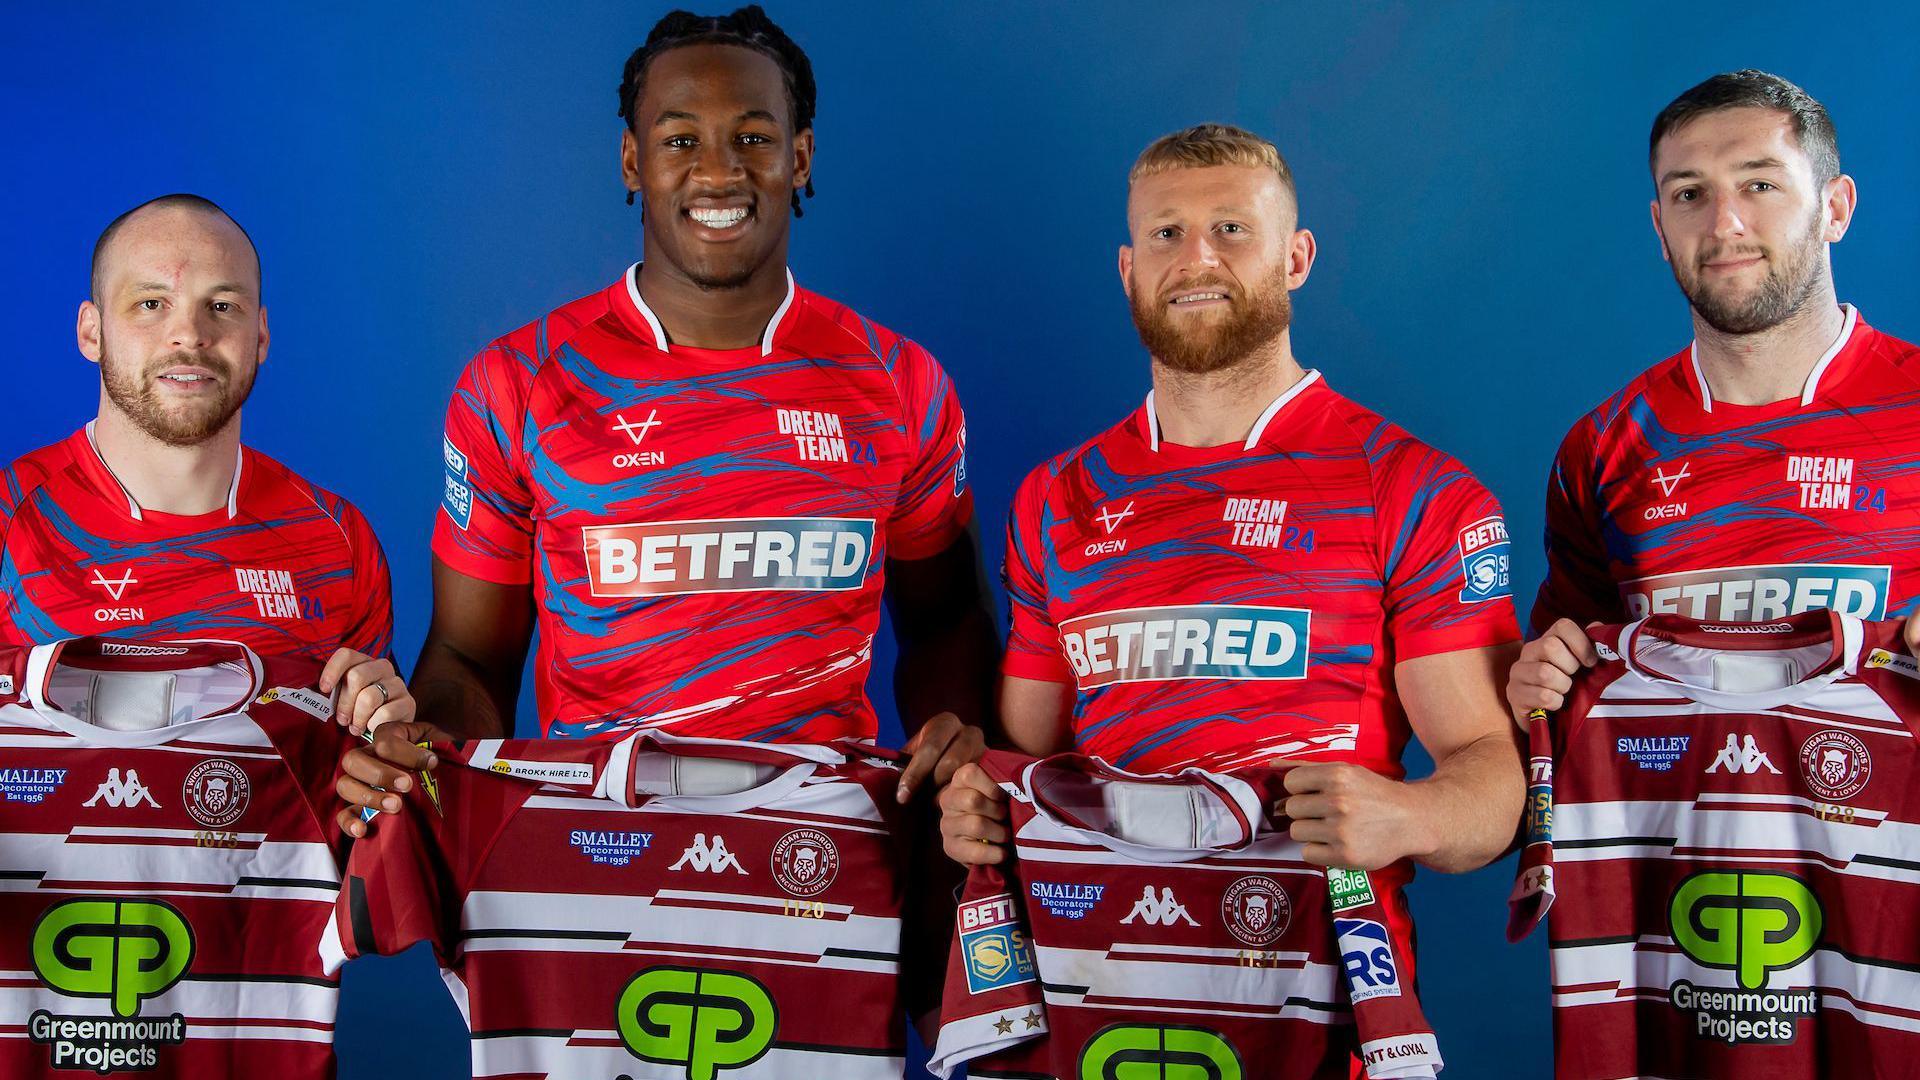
<point x="696" y="481"/>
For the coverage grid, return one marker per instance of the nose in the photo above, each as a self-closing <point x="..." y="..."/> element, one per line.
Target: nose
<point x="718" y="163"/>
<point x="1197" y="252"/>
<point x="190" y="327"/>
<point x="1727" y="223"/>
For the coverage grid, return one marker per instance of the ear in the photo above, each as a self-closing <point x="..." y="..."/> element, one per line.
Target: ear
<point x="1653" y="207"/>
<point x="1300" y="252"/>
<point x="1126" y="270"/>
<point x="86" y="331"/>
<point x="630" y="160"/>
<point x="263" y="337"/>
<point x="1842" y="198"/>
<point x="802" y="159"/>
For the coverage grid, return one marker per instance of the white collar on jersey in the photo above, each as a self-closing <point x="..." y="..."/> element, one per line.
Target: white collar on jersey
<point x="41" y="660"/>
<point x="807" y="760"/>
<point x="1244" y="798"/>
<point x="233" y="489"/>
<point x="1259" y="425"/>
<point x="660" y="333"/>
<point x="1813" y="377"/>
<point x="1852" y="638"/>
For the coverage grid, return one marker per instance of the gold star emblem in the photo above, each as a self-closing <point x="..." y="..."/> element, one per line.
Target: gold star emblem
<point x="1004" y="1025"/>
<point x="1032" y="1018"/>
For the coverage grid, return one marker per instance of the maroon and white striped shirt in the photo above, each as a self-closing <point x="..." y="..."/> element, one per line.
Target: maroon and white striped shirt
<point x="168" y="861"/>
<point x="1725" y="824"/>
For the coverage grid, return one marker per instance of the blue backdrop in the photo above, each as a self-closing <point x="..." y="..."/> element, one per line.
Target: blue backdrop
<point x="421" y="181"/>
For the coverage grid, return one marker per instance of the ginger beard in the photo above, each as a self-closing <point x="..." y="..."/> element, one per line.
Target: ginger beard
<point x="135" y="391"/>
<point x="1793" y="274"/>
<point x="1206" y="344"/>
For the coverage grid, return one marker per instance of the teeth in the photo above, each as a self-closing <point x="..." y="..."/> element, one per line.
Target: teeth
<point x="719" y="219"/>
<point x="1200" y="296"/>
<point x="184" y="378"/>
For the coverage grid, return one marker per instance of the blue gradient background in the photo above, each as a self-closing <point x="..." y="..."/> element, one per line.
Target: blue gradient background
<point x="421" y="181"/>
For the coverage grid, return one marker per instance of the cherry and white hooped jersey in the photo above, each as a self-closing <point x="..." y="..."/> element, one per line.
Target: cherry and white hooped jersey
<point x="1231" y="605"/>
<point x="654" y="908"/>
<point x="285" y="568"/>
<point x="1666" y="501"/>
<point x="705" y="531"/>
<point x="1724" y="823"/>
<point x="168" y="861"/>
<point x="1166" y="925"/>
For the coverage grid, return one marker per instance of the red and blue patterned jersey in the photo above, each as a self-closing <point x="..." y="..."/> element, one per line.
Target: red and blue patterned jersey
<point x="1663" y="501"/>
<point x="285" y="568"/>
<point x="705" y="531"/>
<point x="1226" y="606"/>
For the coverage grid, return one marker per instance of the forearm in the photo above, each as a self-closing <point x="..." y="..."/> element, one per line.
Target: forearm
<point x="948" y="669"/>
<point x="461" y="696"/>
<point x="1466" y="813"/>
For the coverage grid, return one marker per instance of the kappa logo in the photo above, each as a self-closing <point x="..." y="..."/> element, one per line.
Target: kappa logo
<point x="216" y="792"/>
<point x="1124" y="1051"/>
<point x="701" y="1019"/>
<point x="708" y="858"/>
<point x="120" y="793"/>
<point x="1741" y="757"/>
<point x="1110" y="520"/>
<point x="1163" y="910"/>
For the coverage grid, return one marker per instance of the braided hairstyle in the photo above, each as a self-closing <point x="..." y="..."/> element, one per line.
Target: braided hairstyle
<point x="748" y="27"/>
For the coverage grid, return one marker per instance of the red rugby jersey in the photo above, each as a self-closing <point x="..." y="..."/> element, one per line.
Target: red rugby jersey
<point x="164" y="890"/>
<point x="1165" y="925"/>
<point x="1230" y="605"/>
<point x="1663" y="500"/>
<point x="739" y="917"/>
<point x="285" y="567"/>
<point x="1725" y="823"/>
<point x="705" y="530"/>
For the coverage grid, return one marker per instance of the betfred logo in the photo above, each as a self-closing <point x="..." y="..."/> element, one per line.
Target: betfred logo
<point x="1485" y="561"/>
<point x="663" y="558"/>
<point x="1193" y="641"/>
<point x="1746" y="594"/>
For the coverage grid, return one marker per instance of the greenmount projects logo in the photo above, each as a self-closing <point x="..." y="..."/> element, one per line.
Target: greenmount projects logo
<point x="1126" y="1051"/>
<point x="701" y="1019"/>
<point x="1752" y="923"/>
<point x="125" y="951"/>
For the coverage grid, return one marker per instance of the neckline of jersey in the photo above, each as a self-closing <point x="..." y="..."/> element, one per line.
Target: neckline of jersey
<point x="1149" y="425"/>
<point x="1845" y="631"/>
<point x="1822" y="372"/>
<point x="648" y="323"/>
<point x="620" y="763"/>
<point x="42" y="659"/>
<point x="1238" y="794"/>
<point x="93" y="462"/>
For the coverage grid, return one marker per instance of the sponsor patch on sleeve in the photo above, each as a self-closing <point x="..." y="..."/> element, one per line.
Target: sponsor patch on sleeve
<point x="1366" y="951"/>
<point x="992" y="945"/>
<point x="1905" y="665"/>
<point x="1485" y="561"/>
<point x="457" y="500"/>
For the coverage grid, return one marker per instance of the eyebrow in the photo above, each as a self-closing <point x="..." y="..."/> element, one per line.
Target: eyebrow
<point x="751" y="114"/>
<point x="1745" y="166"/>
<point x="163" y="287"/>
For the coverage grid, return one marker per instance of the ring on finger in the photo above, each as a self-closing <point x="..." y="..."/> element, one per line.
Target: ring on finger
<point x="385" y="697"/>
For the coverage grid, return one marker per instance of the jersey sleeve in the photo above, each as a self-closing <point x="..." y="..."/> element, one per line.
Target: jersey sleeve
<point x="1447" y="560"/>
<point x="405" y="882"/>
<point x="992" y="999"/>
<point x="370" y="627"/>
<point x="1579" y="585"/>
<point x="1033" y="640"/>
<point x="935" y="504"/>
<point x="485" y="525"/>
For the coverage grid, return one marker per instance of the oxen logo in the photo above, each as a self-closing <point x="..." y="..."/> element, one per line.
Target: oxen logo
<point x="699" y="1019"/>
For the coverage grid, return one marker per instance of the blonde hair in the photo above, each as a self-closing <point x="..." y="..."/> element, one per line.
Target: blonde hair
<point x="1206" y="145"/>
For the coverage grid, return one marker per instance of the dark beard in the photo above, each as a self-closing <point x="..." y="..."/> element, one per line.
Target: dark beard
<point x="1790" y="283"/>
<point x="134" y="394"/>
<point x="1254" y="320"/>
